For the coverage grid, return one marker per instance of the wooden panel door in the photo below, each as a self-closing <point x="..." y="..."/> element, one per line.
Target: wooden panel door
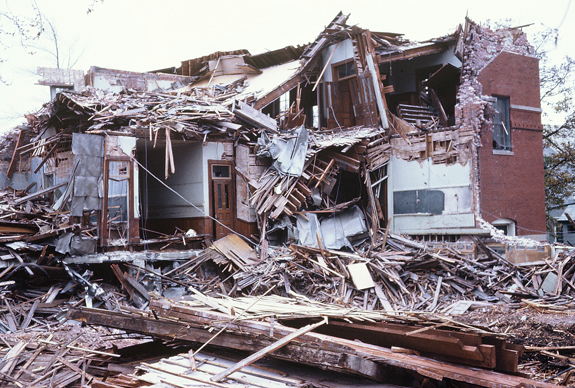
<point x="345" y="115"/>
<point x="223" y="198"/>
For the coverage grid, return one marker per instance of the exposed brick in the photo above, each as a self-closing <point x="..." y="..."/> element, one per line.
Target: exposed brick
<point x="512" y="186"/>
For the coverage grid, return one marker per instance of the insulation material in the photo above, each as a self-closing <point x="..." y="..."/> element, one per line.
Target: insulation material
<point x="339" y="229"/>
<point x="289" y="155"/>
<point x="308" y="229"/>
<point x="88" y="152"/>
<point x="335" y="232"/>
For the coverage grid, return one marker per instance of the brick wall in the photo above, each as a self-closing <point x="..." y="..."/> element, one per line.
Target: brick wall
<point x="62" y="77"/>
<point x="512" y="185"/>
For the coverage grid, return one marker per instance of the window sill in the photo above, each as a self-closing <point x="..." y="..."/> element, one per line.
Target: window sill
<point x="502" y="152"/>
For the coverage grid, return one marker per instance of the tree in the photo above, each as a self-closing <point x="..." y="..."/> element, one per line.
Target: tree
<point x="22" y="25"/>
<point x="62" y="53"/>
<point x="557" y="88"/>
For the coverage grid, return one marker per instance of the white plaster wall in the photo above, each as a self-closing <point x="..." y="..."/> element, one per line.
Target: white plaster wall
<point x="187" y="181"/>
<point x="101" y="82"/>
<point x="154" y="84"/>
<point x="402" y="75"/>
<point x="344" y="51"/>
<point x="416" y="175"/>
<point x="409" y="224"/>
<point x="455" y="182"/>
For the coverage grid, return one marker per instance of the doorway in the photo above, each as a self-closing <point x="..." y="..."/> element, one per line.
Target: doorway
<point x="222" y="197"/>
<point x="118" y="205"/>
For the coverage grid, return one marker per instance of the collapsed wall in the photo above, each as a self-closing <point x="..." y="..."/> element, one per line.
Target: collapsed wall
<point x="474" y="110"/>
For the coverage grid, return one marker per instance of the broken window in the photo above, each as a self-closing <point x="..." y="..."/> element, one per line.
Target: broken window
<point x="221" y="171"/>
<point x="345" y="70"/>
<point x="506" y="225"/>
<point x="501" y="125"/>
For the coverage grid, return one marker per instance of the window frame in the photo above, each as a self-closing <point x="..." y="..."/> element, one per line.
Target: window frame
<point x="337" y="65"/>
<point x="502" y="130"/>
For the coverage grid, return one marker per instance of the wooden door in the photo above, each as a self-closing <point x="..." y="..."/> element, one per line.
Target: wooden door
<point x="222" y="198"/>
<point x="346" y="115"/>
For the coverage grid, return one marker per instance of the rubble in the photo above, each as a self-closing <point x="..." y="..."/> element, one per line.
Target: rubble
<point x="356" y="244"/>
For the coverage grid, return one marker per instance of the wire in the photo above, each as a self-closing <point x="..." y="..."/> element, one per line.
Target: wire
<point x="188" y="202"/>
<point x="564" y="16"/>
<point x="518" y="227"/>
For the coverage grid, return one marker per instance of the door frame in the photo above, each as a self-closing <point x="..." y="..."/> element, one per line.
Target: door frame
<point x="232" y="178"/>
<point x="133" y="223"/>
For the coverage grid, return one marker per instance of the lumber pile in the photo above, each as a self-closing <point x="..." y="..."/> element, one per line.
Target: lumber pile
<point x="401" y="302"/>
<point x="42" y="361"/>
<point x="191" y="113"/>
<point x="275" y="194"/>
<point x="168" y="319"/>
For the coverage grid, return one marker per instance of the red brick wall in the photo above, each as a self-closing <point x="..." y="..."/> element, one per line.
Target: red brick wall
<point x="512" y="186"/>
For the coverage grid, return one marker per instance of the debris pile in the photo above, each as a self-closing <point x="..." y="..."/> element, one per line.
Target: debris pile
<point x="192" y="113"/>
<point x="405" y="276"/>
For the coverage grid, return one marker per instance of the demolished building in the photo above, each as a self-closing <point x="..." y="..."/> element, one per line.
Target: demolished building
<point x="430" y="137"/>
<point x="303" y="165"/>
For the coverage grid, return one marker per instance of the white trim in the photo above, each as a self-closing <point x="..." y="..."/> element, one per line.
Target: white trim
<point x="502" y="152"/>
<point x="527" y="108"/>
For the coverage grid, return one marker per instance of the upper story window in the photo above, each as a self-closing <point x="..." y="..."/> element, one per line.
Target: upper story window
<point x="345" y="70"/>
<point x="501" y="125"/>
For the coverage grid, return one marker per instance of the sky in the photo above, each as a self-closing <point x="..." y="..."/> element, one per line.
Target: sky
<point x="146" y="35"/>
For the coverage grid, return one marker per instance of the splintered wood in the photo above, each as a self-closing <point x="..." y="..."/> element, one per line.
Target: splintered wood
<point x="276" y="194"/>
<point x="42" y="362"/>
<point x="332" y="348"/>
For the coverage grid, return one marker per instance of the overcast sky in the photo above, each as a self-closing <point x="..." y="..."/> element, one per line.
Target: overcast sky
<point x="146" y="35"/>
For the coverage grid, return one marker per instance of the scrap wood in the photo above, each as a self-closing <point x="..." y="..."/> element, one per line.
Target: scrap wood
<point x="15" y="154"/>
<point x="39" y="193"/>
<point x="318" y="347"/>
<point x="236" y="250"/>
<point x="268" y="349"/>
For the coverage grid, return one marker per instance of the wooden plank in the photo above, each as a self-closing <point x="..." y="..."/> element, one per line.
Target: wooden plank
<point x="315" y="355"/>
<point x="17" y="227"/>
<point x="21" y="260"/>
<point x="371" y="60"/>
<point x="430" y="343"/>
<point x="45" y="159"/>
<point x="12" y="165"/>
<point x="137" y="286"/>
<point x="311" y="348"/>
<point x="30" y="315"/>
<point x="268" y="349"/>
<point x="39" y="193"/>
<point x="325" y="172"/>
<point x="236" y="249"/>
<point x="439" y="107"/>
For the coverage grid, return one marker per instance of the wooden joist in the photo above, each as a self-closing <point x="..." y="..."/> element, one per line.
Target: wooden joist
<point x="173" y="320"/>
<point x="12" y="166"/>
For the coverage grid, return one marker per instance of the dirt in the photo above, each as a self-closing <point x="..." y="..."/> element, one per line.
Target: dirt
<point x="526" y="326"/>
<point x="529" y="327"/>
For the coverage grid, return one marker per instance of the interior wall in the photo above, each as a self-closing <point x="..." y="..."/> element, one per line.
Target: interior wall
<point x="188" y="181"/>
<point x="420" y="181"/>
<point x="402" y="73"/>
<point x="343" y="51"/>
